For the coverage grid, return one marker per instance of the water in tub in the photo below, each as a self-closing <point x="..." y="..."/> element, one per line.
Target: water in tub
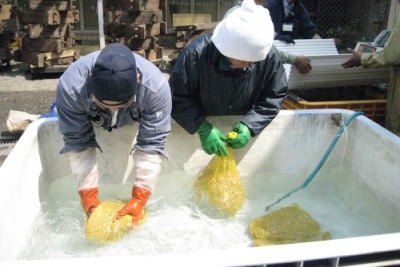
<point x="175" y="223"/>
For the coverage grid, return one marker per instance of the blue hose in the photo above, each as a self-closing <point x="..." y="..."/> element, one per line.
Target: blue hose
<point x="315" y="171"/>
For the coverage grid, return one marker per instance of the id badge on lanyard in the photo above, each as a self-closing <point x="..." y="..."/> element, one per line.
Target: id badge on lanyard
<point x="287" y="27"/>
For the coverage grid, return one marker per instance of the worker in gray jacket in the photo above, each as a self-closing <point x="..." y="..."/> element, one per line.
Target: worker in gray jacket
<point x="112" y="88"/>
<point x="234" y="71"/>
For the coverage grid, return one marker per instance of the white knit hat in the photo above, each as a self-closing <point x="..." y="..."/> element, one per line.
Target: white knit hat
<point x="247" y="33"/>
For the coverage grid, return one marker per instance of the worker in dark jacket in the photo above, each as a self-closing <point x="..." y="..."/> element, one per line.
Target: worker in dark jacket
<point x="291" y="20"/>
<point x="234" y="71"/>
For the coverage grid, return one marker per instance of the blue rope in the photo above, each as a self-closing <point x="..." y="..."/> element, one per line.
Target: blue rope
<point x="315" y="171"/>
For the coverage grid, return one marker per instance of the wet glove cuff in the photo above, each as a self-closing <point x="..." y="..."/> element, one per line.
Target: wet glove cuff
<point x="212" y="139"/>
<point x="204" y="127"/>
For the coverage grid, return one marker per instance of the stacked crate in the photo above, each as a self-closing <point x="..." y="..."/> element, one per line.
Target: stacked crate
<point x="186" y="34"/>
<point x="48" y="40"/>
<point x="136" y="23"/>
<point x="6" y="36"/>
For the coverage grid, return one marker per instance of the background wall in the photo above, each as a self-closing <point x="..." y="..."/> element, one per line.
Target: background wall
<point x="357" y="20"/>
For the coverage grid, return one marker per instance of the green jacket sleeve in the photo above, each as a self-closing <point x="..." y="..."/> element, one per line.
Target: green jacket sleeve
<point x="287" y="58"/>
<point x="389" y="55"/>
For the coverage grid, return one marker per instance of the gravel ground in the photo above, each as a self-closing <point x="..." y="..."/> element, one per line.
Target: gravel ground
<point x="19" y="92"/>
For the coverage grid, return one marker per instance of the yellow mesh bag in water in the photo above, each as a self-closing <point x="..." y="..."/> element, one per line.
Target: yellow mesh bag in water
<point x="285" y="226"/>
<point x="102" y="225"/>
<point x="219" y="183"/>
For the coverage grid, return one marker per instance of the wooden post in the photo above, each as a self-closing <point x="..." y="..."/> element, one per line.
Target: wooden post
<point x="101" y="23"/>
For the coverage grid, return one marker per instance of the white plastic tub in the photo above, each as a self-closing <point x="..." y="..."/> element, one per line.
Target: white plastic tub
<point x="356" y="192"/>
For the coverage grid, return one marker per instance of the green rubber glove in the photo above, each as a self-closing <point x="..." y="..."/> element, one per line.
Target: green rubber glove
<point x="239" y="137"/>
<point x="212" y="139"/>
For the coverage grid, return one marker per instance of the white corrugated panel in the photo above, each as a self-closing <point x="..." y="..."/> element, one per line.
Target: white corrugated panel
<point x="328" y="72"/>
<point x="309" y="47"/>
<point x="326" y="67"/>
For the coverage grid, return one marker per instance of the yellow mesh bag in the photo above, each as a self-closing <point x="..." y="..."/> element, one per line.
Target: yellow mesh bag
<point x="220" y="185"/>
<point x="102" y="225"/>
<point x="286" y="226"/>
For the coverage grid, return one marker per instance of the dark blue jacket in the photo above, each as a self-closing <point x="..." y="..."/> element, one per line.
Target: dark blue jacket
<point x="203" y="84"/>
<point x="303" y="27"/>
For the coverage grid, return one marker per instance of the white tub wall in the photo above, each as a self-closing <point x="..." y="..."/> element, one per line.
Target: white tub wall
<point x="294" y="142"/>
<point x="32" y="166"/>
<point x="19" y="194"/>
<point x="117" y="143"/>
<point x="299" y="139"/>
<point x="54" y="165"/>
<point x="374" y="154"/>
<point x="290" y="144"/>
<point x="293" y="254"/>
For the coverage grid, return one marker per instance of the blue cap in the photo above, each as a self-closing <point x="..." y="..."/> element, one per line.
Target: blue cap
<point x="113" y="76"/>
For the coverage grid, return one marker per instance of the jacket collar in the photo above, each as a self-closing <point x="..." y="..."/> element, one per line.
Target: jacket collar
<point x="224" y="65"/>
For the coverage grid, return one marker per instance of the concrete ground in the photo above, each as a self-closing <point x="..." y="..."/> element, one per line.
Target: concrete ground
<point x="18" y="92"/>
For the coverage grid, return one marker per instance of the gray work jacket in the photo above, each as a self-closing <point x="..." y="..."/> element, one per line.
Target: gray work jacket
<point x="78" y="113"/>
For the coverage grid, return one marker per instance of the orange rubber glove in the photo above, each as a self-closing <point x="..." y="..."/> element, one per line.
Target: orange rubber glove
<point x="89" y="200"/>
<point x="135" y="206"/>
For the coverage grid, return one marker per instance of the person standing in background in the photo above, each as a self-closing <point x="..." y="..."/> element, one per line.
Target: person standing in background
<point x="291" y="20"/>
<point x="300" y="62"/>
<point x="388" y="56"/>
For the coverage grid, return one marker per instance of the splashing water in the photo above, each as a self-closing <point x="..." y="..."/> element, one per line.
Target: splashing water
<point x="175" y="223"/>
